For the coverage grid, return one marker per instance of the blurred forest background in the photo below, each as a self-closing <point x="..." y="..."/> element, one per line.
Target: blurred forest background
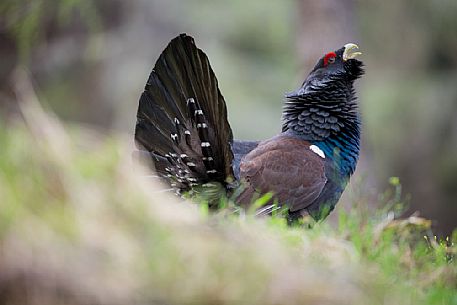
<point x="90" y="60"/>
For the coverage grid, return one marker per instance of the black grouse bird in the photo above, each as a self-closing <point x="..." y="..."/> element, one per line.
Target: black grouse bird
<point x="182" y="128"/>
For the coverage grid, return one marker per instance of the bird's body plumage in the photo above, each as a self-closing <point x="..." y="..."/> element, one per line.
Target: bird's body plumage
<point x="182" y="124"/>
<point x="287" y="167"/>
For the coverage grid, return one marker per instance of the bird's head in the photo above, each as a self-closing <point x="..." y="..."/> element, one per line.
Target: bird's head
<point x="339" y="65"/>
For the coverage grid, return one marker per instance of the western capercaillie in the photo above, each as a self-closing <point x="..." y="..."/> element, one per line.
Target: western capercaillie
<point x="182" y="128"/>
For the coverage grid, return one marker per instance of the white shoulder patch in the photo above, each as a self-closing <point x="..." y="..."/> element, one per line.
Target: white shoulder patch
<point x="317" y="150"/>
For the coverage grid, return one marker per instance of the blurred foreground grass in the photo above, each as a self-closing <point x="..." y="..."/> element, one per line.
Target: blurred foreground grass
<point x="79" y="225"/>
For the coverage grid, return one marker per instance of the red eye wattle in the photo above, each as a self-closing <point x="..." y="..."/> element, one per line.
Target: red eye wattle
<point x="329" y="58"/>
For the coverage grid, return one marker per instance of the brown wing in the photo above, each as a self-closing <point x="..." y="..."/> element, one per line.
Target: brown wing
<point x="288" y="168"/>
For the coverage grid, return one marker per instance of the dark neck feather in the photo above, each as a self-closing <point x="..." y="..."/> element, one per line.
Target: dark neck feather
<point x="326" y="115"/>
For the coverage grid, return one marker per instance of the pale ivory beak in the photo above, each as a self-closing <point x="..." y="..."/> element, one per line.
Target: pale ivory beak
<point x="348" y="54"/>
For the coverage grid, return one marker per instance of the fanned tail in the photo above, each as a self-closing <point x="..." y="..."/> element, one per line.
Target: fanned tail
<point x="182" y="119"/>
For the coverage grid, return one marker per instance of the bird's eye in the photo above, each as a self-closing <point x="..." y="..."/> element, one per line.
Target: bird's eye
<point x="329" y="58"/>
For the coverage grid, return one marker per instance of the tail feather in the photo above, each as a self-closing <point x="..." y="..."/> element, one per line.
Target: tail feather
<point x="182" y="118"/>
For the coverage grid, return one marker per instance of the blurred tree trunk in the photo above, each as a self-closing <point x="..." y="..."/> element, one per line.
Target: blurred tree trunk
<point x="324" y="25"/>
<point x="8" y="58"/>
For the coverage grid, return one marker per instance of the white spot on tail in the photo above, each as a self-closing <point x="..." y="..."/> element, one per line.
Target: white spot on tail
<point x="206" y="144"/>
<point x="174" y="136"/>
<point x="198" y="112"/>
<point x="187" y="132"/>
<point x="317" y="151"/>
<point x="212" y="171"/>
